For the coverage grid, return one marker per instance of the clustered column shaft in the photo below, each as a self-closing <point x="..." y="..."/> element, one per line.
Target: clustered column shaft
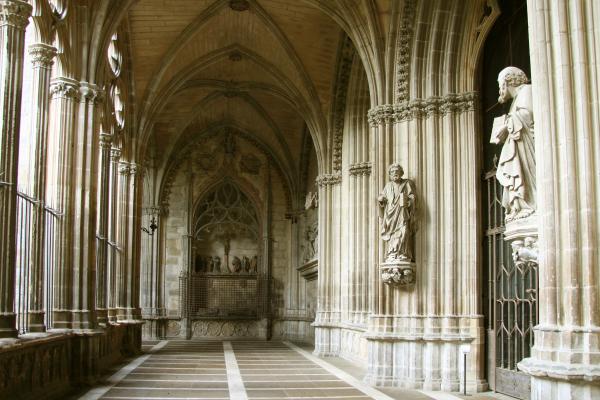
<point x="14" y="16"/>
<point x="42" y="57"/>
<point x="103" y="214"/>
<point x="113" y="256"/>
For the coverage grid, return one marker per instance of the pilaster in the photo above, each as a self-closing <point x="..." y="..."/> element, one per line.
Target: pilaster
<point x="434" y="139"/>
<point x="14" y="17"/>
<point x="328" y="315"/>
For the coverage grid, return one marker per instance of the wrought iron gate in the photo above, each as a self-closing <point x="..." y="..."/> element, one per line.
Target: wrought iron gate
<point x="511" y="298"/>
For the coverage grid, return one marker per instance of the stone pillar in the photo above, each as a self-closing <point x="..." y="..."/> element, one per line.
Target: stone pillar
<point x="113" y="224"/>
<point x="134" y="231"/>
<point x="565" y="359"/>
<point x="65" y="95"/>
<point x="14" y="16"/>
<point x="122" y="240"/>
<point x="83" y="207"/>
<point x="42" y="57"/>
<point x="328" y="318"/>
<point x="103" y="215"/>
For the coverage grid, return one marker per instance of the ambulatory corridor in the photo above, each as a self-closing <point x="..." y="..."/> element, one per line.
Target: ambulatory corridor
<point x="211" y="369"/>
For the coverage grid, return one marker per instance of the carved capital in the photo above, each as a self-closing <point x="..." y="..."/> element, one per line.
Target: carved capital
<point x="105" y="141"/>
<point x="135" y="169"/>
<point x="398" y="273"/>
<point x="65" y="88"/>
<point x="115" y="154"/>
<point x="42" y="55"/>
<point x="363" y="168"/>
<point x="91" y="93"/>
<point x="453" y="103"/>
<point x="15" y="13"/>
<point x="124" y="168"/>
<point x="329" y="179"/>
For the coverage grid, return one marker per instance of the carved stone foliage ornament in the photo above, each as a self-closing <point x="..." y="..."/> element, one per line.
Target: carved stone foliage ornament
<point x="397" y="210"/>
<point x="516" y="165"/>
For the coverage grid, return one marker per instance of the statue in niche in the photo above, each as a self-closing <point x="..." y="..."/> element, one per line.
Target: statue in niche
<point x="311" y="235"/>
<point x="210" y="264"/>
<point x="236" y="264"/>
<point x="216" y="264"/>
<point x="397" y="207"/>
<point x="246" y="264"/>
<point x="254" y="264"/>
<point x="516" y="166"/>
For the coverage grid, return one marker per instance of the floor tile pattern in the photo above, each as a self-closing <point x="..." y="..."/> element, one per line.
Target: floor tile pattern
<point x="237" y="370"/>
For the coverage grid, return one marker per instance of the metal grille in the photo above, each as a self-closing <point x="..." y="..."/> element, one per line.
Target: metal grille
<point x="223" y="296"/>
<point x="511" y="297"/>
<point x="51" y="221"/>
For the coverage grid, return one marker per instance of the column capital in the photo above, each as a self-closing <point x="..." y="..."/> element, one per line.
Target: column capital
<point x="135" y="169"/>
<point x="15" y="13"/>
<point x="329" y="179"/>
<point x="63" y="87"/>
<point x="124" y="168"/>
<point x="42" y="55"/>
<point x="115" y="154"/>
<point x="106" y="141"/>
<point x="91" y="92"/>
<point x="451" y="103"/>
<point x="363" y="168"/>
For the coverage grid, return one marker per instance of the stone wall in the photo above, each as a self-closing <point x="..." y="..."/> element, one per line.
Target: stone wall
<point x="51" y="365"/>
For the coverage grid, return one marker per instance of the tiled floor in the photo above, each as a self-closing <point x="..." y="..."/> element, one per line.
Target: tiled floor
<point x="236" y="370"/>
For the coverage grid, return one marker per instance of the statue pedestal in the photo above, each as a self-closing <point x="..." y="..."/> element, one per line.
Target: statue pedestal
<point x="522" y="234"/>
<point x="519" y="229"/>
<point x="398" y="272"/>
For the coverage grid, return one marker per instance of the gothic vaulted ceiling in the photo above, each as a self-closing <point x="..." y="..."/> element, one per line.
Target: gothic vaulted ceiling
<point x="266" y="67"/>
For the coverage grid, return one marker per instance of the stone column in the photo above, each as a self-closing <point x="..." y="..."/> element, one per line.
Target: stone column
<point x="65" y="95"/>
<point x="113" y="223"/>
<point x="42" y="57"/>
<point x="122" y="239"/>
<point x="14" y="16"/>
<point x="103" y="214"/>
<point x="134" y="231"/>
<point x="565" y="358"/>
<point x="327" y="329"/>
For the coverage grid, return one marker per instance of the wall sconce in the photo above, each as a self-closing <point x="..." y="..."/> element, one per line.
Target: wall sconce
<point x="152" y="227"/>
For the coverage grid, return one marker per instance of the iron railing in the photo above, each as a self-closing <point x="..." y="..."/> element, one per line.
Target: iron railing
<point x="27" y="235"/>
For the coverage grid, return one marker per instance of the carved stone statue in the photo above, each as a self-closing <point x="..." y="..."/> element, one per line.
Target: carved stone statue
<point x="217" y="264"/>
<point x="246" y="264"/>
<point x="254" y="264"/>
<point x="211" y="264"/>
<point x="516" y="166"/>
<point x="236" y="264"/>
<point x="310" y="242"/>
<point x="397" y="207"/>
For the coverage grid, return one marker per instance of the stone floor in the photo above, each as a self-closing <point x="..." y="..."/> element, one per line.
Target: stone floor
<point x="240" y="370"/>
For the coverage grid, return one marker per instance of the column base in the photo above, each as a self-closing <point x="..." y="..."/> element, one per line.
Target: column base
<point x="8" y="325"/>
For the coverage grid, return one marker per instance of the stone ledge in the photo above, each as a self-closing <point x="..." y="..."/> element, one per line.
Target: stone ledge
<point x="561" y="371"/>
<point x="391" y="337"/>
